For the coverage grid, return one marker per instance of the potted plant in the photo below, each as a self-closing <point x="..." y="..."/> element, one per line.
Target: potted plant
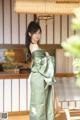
<point x="72" y="45"/>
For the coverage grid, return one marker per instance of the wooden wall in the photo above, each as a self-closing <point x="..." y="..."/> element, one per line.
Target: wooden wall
<point x="14" y="93"/>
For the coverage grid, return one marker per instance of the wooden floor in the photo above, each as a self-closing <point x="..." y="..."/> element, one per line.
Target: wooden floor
<point x="59" y="116"/>
<point x="24" y="117"/>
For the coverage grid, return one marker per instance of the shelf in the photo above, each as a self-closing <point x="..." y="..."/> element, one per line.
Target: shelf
<point x="12" y="75"/>
<point x="64" y="75"/>
<point x="5" y="75"/>
<point x="20" y="57"/>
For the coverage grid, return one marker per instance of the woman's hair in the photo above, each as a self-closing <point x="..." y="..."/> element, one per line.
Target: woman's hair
<point x="33" y="27"/>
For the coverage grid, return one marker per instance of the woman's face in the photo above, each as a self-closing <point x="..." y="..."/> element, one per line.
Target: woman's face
<point x="36" y="37"/>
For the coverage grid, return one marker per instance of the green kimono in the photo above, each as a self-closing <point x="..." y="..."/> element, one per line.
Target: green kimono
<point x="41" y="102"/>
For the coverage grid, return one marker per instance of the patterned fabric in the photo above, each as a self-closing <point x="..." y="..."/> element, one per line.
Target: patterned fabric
<point x="42" y="79"/>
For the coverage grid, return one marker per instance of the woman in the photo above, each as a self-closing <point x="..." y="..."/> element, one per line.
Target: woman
<point x="41" y="103"/>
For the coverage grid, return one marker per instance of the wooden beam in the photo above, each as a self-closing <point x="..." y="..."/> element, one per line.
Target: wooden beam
<point x="67" y="1"/>
<point x="12" y="46"/>
<point x="6" y="75"/>
<point x="64" y="75"/>
<point x="54" y="46"/>
<point x="18" y="113"/>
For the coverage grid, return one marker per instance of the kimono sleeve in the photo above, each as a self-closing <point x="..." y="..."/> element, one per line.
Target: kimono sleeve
<point x="45" y="67"/>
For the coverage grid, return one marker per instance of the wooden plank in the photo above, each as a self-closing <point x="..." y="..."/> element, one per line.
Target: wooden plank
<point x="24" y="117"/>
<point x="23" y="93"/>
<point x="43" y="36"/>
<point x="18" y="113"/>
<point x="57" y="29"/>
<point x="7" y="95"/>
<point x="64" y="25"/>
<point x="1" y="22"/>
<point x="15" y="95"/>
<point x="45" y="46"/>
<point x="12" y="45"/>
<point x="5" y="76"/>
<point x="50" y="31"/>
<point x="50" y="46"/>
<point x="64" y="75"/>
<point x="1" y="95"/>
<point x="22" y="28"/>
<point x="7" y="28"/>
<point x="15" y="23"/>
<point x="67" y="1"/>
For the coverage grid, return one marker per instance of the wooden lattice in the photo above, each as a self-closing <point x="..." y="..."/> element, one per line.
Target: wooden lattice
<point x="68" y="1"/>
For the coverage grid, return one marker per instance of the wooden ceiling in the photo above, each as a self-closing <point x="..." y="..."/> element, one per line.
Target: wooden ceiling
<point x="67" y="1"/>
<point x="46" y="6"/>
<point x="56" y="1"/>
